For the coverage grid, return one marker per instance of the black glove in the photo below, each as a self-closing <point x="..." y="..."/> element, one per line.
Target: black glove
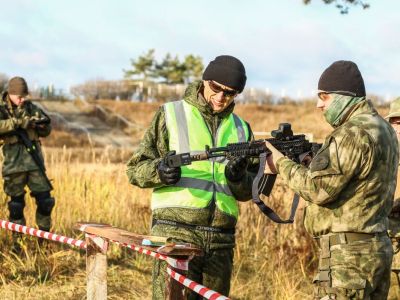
<point x="236" y="168"/>
<point x="168" y="175"/>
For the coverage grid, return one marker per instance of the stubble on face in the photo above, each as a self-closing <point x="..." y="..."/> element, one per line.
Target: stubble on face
<point x="217" y="101"/>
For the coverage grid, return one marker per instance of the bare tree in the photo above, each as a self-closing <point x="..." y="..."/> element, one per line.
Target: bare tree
<point x="103" y="89"/>
<point x="3" y="81"/>
<point x="344" y="5"/>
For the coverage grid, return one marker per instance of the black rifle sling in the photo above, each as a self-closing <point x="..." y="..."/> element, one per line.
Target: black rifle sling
<point x="265" y="183"/>
<point x="31" y="148"/>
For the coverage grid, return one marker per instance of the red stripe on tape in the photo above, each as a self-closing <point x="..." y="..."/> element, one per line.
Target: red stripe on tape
<point x="42" y="234"/>
<point x="196" y="287"/>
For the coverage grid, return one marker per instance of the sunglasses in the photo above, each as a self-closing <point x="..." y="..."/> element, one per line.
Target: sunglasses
<point x="218" y="89"/>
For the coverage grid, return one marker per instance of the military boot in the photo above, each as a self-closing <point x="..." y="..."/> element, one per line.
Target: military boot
<point x="45" y="204"/>
<point x="16" y="208"/>
<point x="17" y="238"/>
<point x="43" y="222"/>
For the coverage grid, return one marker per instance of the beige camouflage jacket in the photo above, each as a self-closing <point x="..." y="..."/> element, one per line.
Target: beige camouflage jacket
<point x="16" y="158"/>
<point x="351" y="182"/>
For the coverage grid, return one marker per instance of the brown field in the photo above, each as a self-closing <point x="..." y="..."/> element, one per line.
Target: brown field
<point x="304" y="117"/>
<point x="271" y="261"/>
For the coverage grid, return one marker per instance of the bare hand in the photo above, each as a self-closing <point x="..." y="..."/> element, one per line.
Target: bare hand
<point x="270" y="166"/>
<point x="305" y="159"/>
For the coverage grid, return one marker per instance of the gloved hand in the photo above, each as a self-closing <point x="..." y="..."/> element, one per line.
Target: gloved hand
<point x="168" y="175"/>
<point x="23" y="123"/>
<point x="236" y="168"/>
<point x="32" y="122"/>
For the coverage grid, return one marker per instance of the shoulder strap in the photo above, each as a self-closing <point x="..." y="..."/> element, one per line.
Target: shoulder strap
<point x="265" y="183"/>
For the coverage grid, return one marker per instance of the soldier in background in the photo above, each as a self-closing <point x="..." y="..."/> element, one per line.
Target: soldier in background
<point x="197" y="204"/>
<point x="349" y="188"/>
<point x="394" y="217"/>
<point x="19" y="169"/>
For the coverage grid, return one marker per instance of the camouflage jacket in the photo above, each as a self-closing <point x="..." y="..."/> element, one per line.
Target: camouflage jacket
<point x="351" y="181"/>
<point x="16" y="158"/>
<point x="142" y="166"/>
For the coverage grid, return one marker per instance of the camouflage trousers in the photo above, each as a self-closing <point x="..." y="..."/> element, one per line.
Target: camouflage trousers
<point x="355" y="270"/>
<point x="14" y="184"/>
<point x="394" y="234"/>
<point x="212" y="270"/>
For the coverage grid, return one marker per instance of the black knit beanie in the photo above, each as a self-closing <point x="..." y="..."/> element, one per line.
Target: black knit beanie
<point x="226" y="70"/>
<point x="342" y="77"/>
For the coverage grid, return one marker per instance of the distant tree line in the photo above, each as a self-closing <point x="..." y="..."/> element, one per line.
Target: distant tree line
<point x="146" y="79"/>
<point x="103" y="89"/>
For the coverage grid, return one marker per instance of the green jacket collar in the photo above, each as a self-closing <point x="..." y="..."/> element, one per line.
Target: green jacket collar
<point x="3" y="99"/>
<point x="364" y="107"/>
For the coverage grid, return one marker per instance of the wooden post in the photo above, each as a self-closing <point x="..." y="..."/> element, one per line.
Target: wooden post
<point x="96" y="267"/>
<point x="173" y="289"/>
<point x="97" y="236"/>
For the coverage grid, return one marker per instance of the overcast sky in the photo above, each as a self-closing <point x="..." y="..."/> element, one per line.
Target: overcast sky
<point x="284" y="44"/>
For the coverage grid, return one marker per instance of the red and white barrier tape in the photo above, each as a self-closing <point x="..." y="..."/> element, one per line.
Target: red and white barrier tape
<point x="194" y="286"/>
<point x="183" y="265"/>
<point x="42" y="234"/>
<point x="176" y="263"/>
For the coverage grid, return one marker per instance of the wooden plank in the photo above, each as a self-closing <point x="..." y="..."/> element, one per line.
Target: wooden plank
<point x="122" y="236"/>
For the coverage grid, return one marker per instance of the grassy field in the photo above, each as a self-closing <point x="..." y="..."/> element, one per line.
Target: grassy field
<point x="271" y="261"/>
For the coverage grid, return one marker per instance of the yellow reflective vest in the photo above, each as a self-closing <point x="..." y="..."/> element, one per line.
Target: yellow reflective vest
<point x="202" y="181"/>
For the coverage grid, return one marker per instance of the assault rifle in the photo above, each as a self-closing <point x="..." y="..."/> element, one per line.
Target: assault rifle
<point x="42" y="121"/>
<point x="31" y="147"/>
<point x="295" y="147"/>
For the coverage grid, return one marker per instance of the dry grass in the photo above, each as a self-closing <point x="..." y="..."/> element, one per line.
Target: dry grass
<point x="271" y="261"/>
<point x="86" y="191"/>
<point x="100" y="192"/>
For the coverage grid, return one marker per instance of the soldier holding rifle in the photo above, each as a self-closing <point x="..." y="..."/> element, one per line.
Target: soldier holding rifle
<point x="197" y="203"/>
<point x="349" y="188"/>
<point x="22" y="123"/>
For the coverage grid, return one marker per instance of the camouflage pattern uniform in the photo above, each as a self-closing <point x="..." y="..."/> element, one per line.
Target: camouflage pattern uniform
<point x="349" y="188"/>
<point x="214" y="268"/>
<point x="394" y="217"/>
<point x="19" y="169"/>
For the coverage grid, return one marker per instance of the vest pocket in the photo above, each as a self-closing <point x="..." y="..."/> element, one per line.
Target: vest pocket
<point x="347" y="278"/>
